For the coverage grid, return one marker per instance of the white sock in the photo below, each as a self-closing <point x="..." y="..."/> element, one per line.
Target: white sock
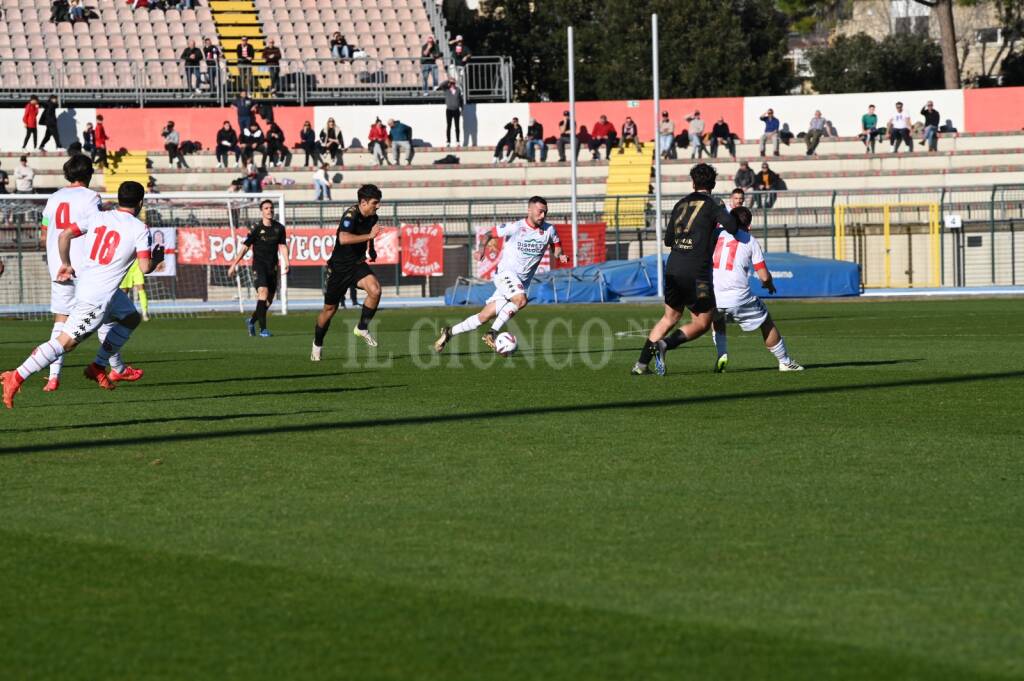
<point x="506" y="312"/>
<point x="43" y="356"/>
<point x="470" y="323"/>
<point x="779" y="350"/>
<point x="116" y="363"/>
<point x="55" y="367"/>
<point x="116" y="337"/>
<point x="721" y="342"/>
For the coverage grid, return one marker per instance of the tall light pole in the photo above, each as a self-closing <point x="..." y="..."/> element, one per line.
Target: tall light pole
<point x="657" y="153"/>
<point x="572" y="147"/>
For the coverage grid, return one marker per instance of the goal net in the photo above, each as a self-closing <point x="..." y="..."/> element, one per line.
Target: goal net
<point x="202" y="232"/>
<point x="895" y="244"/>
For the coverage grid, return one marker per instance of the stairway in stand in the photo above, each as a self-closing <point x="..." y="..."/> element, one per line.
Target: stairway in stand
<point x="236" y="19"/>
<point x="629" y="174"/>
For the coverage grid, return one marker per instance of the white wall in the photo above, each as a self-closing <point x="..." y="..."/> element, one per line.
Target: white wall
<point x="70" y="123"/>
<point x="845" y="110"/>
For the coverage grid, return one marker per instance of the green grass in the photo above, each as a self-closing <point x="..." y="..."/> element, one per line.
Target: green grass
<point x="242" y="513"/>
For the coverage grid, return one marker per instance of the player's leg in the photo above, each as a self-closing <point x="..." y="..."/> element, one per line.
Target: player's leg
<point x="53" y="382"/>
<point x="470" y="323"/>
<point x="62" y="301"/>
<point x="334" y="292"/>
<point x="259" y="314"/>
<point x="371" y="286"/>
<point x="669" y="318"/>
<point x="776" y="345"/>
<point x="718" y="334"/>
<point x="504" y="312"/>
<point x="121" y="319"/>
<point x="140" y="291"/>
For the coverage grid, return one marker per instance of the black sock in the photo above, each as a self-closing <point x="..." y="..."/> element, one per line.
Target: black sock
<point x="675" y="340"/>
<point x="647" y="353"/>
<point x="319" y="333"/>
<point x="261" y="314"/>
<point x="366" y="316"/>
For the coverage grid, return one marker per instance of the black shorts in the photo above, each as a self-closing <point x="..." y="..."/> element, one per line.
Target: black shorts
<point x="339" y="281"/>
<point x="688" y="291"/>
<point x="264" y="275"/>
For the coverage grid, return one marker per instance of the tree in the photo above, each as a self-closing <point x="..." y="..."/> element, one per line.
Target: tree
<point x="861" y="64"/>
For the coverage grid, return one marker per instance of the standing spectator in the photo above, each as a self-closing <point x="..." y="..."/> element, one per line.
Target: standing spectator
<point x="766" y="181"/>
<point x="100" y="155"/>
<point x="745" y="178"/>
<point x="667" y="136"/>
<point x="264" y="110"/>
<point x="931" y="126"/>
<point x="227" y="141"/>
<point x="307" y="140"/>
<point x="192" y="56"/>
<point x="720" y="134"/>
<point x="3" y="183"/>
<point x="602" y="135"/>
<point x="29" y="118"/>
<point x="378" y="143"/>
<point x="272" y="58"/>
<point x="630" y="135"/>
<point x="89" y="141"/>
<point x="332" y="142"/>
<point x="24" y="177"/>
<point x="245" y="54"/>
<point x="48" y="119"/>
<point x="815" y="130"/>
<point x="253" y="140"/>
<point x="535" y="139"/>
<point x="243" y="108"/>
<point x="461" y="57"/>
<point x="504" y="150"/>
<point x="401" y="138"/>
<point x="340" y="48"/>
<point x="252" y="184"/>
<point x="429" y="55"/>
<point x="276" y="147"/>
<point x="211" y="54"/>
<point x="452" y="111"/>
<point x="899" y="130"/>
<point x="322" y="183"/>
<point x="697" y="149"/>
<point x="172" y="143"/>
<point x="771" y="132"/>
<point x="564" y="131"/>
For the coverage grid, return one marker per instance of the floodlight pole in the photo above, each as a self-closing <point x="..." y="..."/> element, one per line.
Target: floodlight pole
<point x="572" y="147"/>
<point x="657" y="154"/>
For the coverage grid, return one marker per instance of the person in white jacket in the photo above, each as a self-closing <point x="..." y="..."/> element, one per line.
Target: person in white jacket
<point x="322" y="182"/>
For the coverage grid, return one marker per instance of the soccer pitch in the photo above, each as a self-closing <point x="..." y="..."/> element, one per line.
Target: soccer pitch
<point x="243" y="513"/>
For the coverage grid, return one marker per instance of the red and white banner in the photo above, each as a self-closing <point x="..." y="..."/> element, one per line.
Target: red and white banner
<point x="307" y="246"/>
<point x="591" y="250"/>
<point x="422" y="250"/>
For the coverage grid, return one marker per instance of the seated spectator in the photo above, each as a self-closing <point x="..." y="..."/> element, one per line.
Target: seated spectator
<point x="564" y="137"/>
<point x="603" y="135"/>
<point x="745" y="177"/>
<point x="378" y="147"/>
<point x="322" y="183"/>
<point x="870" y="130"/>
<point x="76" y="11"/>
<point x="535" y="140"/>
<point x="253" y="140"/>
<point x="3" y="183"/>
<point x="667" y="136"/>
<point x="630" y="136"/>
<point x="948" y="127"/>
<point x="899" y="129"/>
<point x="767" y="183"/>
<point x="504" y="150"/>
<point x="276" y="147"/>
<point x="720" y="134"/>
<point x="251" y="184"/>
<point x="332" y="142"/>
<point x="401" y="138"/>
<point x="583" y="138"/>
<point x="931" y="126"/>
<point x="815" y="129"/>
<point x="60" y="11"/>
<point x="786" y="135"/>
<point x="172" y="143"/>
<point x="340" y="49"/>
<point x="227" y="141"/>
<point x="696" y="135"/>
<point x="308" y="144"/>
<point x="830" y="130"/>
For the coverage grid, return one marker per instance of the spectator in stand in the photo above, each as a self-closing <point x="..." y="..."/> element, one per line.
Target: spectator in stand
<point x="667" y="136"/>
<point x="24" y="177"/>
<point x="307" y="140"/>
<point x="29" y="119"/>
<point x="452" y="111"/>
<point x="535" y="140"/>
<point x="253" y="140"/>
<point x="869" y="131"/>
<point x="461" y="56"/>
<point x="272" y="58"/>
<point x="720" y="134"/>
<point x="830" y="130"/>
<point x="332" y="142"/>
<point x="246" y="54"/>
<point x="3" y="183"/>
<point x="185" y="4"/>
<point x="630" y="135"/>
<point x="564" y="141"/>
<point x="192" y="56"/>
<point x="89" y="141"/>
<point x="931" y="126"/>
<point x="786" y="135"/>
<point x="766" y="181"/>
<point x="280" y="155"/>
<point x="401" y="138"/>
<point x="172" y="143"/>
<point x="948" y="127"/>
<point x="815" y="130"/>
<point x="697" y="149"/>
<point x="227" y="141"/>
<point x="264" y="110"/>
<point x="429" y="54"/>
<point x="504" y="150"/>
<point x="583" y="138"/>
<point x="60" y="11"/>
<point x="899" y="130"/>
<point x="322" y="183"/>
<point x="745" y="178"/>
<point x="603" y="135"/>
<point x="211" y="55"/>
<point x="340" y="48"/>
<point x="76" y="11"/>
<point x="100" y="155"/>
<point x="771" y="132"/>
<point x="48" y="119"/>
<point x="243" y="108"/>
<point x="252" y="184"/>
<point x="379" y="143"/>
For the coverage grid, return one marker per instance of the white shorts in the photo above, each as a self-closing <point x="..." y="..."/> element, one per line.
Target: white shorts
<point x="506" y="286"/>
<point x="85" y="317"/>
<point x="62" y="297"/>
<point x="750" y="316"/>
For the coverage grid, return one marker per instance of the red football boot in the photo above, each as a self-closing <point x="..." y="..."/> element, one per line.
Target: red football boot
<point x="129" y="375"/>
<point x="94" y="372"/>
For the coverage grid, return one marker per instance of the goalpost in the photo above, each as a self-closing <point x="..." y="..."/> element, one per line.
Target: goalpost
<point x="202" y="232"/>
<point x="869" y="234"/>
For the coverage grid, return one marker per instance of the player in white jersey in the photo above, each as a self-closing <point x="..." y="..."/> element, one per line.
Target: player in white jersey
<point x="735" y="258"/>
<point x="525" y="243"/>
<point x="112" y="241"/>
<point x="65" y="209"/>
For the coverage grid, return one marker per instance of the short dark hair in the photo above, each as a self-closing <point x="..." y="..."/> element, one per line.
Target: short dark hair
<point x="266" y="201"/>
<point x="703" y="176"/>
<point x="369" y="192"/>
<point x="78" y="168"/>
<point x="738" y="190"/>
<point x="743" y="216"/>
<point x="130" y="194"/>
<point x="537" y="199"/>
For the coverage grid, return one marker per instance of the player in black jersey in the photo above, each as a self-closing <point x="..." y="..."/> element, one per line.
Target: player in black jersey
<point x="267" y="240"/>
<point x="690" y="236"/>
<point x="347" y="267"/>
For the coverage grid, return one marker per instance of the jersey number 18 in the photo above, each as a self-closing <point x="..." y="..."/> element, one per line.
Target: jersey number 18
<point x="105" y="246"/>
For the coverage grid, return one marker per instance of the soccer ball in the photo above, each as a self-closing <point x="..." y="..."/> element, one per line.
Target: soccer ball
<point x="505" y="343"/>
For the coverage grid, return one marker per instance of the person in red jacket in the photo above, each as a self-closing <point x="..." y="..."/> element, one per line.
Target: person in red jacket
<point x="379" y="142"/>
<point x="30" y="119"/>
<point x="603" y="134"/>
<point x="100" y="154"/>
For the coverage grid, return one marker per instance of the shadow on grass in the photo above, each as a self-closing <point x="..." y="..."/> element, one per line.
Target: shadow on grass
<point x="258" y="378"/>
<point x="500" y="414"/>
<point x="161" y="420"/>
<point x="835" y="365"/>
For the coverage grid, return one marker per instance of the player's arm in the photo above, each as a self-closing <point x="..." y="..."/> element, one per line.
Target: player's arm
<point x="765" y="276"/>
<point x="557" y="252"/>
<point x="149" y="256"/>
<point x="241" y="254"/>
<point x="348" y="238"/>
<point x="724" y="218"/>
<point x="282" y="251"/>
<point x="66" y="271"/>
